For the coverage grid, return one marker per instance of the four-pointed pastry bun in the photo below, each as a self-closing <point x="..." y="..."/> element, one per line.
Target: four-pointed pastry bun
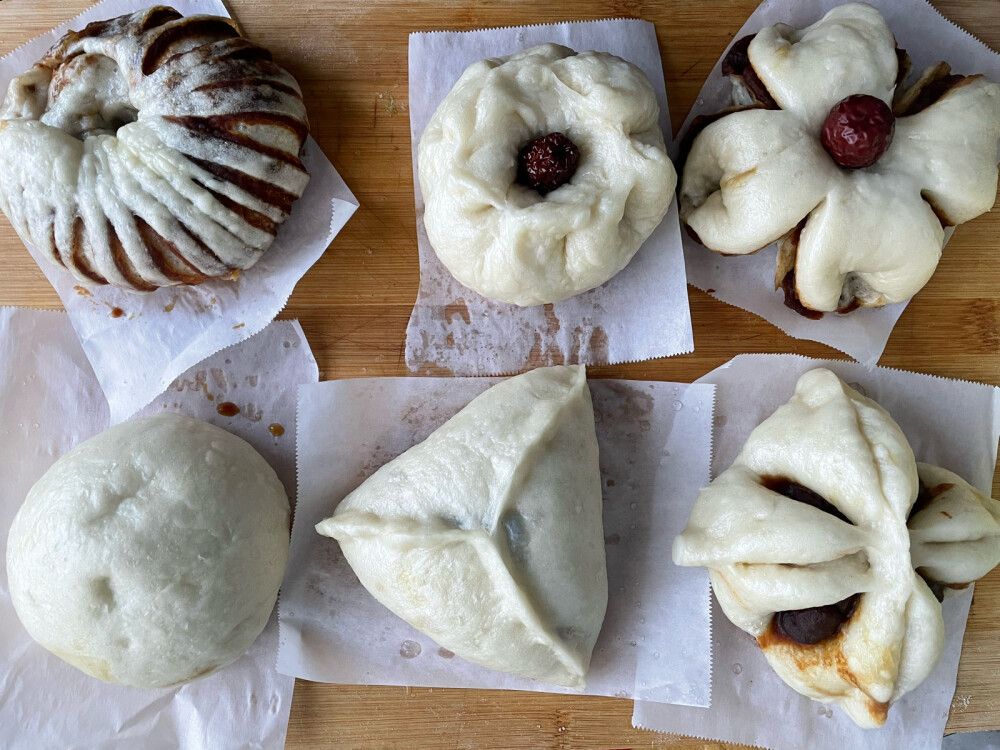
<point x="806" y="540"/>
<point x="488" y="536"/>
<point x="150" y="554"/>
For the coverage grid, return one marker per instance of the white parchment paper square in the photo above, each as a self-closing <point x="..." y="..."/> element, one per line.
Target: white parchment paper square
<point x="748" y="281"/>
<point x="654" y="441"/>
<point x="640" y="314"/>
<point x="161" y="334"/>
<point x="950" y="423"/>
<point x="50" y="400"/>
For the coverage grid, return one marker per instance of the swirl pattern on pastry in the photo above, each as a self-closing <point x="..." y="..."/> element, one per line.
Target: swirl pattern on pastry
<point x="509" y="242"/>
<point x="152" y="150"/>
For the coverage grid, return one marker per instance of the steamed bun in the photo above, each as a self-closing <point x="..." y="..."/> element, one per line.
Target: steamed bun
<point x="488" y="536"/>
<point x="150" y="554"/>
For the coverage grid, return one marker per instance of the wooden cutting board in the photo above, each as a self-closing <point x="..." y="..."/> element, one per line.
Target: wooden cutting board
<point x="350" y="57"/>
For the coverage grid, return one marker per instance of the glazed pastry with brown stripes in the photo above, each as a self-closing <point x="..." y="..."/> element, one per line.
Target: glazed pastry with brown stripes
<point x="152" y="150"/>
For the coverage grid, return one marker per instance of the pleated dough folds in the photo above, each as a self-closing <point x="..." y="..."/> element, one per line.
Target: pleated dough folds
<point x="488" y="535"/>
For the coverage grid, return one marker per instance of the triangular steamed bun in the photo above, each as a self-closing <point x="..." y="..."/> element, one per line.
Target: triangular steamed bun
<point x="488" y="535"/>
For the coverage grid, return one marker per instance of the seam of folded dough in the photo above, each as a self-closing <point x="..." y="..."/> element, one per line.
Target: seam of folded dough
<point x="451" y="535"/>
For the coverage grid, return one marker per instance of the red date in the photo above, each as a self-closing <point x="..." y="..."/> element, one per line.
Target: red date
<point x="547" y="163"/>
<point x="858" y="131"/>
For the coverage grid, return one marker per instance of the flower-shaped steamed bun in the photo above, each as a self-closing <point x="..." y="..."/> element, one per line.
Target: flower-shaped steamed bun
<point x="789" y="166"/>
<point x="806" y="541"/>
<point x="543" y="173"/>
<point x="488" y="535"/>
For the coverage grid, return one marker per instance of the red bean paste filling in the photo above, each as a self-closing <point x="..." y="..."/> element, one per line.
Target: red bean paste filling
<point x="815" y="624"/>
<point x="792" y="300"/>
<point x="801" y="494"/>
<point x="737" y="64"/>
<point x="932" y="92"/>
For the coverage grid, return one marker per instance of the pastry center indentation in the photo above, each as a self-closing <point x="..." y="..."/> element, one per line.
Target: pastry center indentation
<point x="87" y="97"/>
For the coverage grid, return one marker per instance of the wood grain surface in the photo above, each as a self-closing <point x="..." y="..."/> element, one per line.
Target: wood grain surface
<point x="350" y="58"/>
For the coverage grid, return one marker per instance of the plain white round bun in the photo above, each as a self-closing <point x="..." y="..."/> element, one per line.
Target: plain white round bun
<point x="151" y="554"/>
